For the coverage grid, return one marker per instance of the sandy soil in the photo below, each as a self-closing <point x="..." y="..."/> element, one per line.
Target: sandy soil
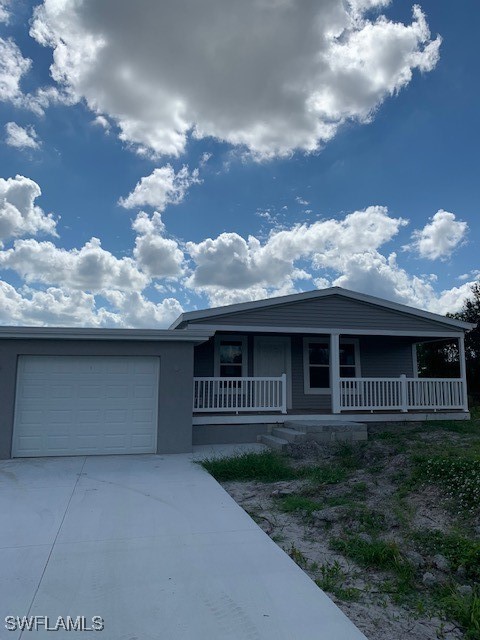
<point x="308" y="540"/>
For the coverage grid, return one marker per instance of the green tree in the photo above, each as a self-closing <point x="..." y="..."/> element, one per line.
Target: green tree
<point x="440" y="359"/>
<point x="471" y="313"/>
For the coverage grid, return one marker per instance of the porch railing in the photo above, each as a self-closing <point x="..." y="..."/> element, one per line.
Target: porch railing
<point x="240" y="394"/>
<point x="401" y="393"/>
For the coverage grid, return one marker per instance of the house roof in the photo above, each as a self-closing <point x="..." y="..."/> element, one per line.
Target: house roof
<point x="205" y="314"/>
<point x="68" y="333"/>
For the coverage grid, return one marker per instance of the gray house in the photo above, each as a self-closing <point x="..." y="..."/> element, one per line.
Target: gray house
<point x="222" y="375"/>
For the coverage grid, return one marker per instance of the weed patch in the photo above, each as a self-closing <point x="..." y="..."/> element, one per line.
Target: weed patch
<point x="297" y="503"/>
<point x="332" y="580"/>
<point x="459" y="476"/>
<point x="459" y="551"/>
<point x="465" y="609"/>
<point x="266" y="466"/>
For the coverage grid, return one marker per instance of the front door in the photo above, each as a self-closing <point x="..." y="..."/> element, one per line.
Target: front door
<point x="272" y="357"/>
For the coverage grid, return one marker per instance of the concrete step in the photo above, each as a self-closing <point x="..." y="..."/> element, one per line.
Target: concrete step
<point x="327" y="431"/>
<point x="277" y="444"/>
<point x="292" y="435"/>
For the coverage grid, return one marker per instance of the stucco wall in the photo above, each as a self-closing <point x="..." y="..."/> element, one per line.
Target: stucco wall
<point x="175" y="380"/>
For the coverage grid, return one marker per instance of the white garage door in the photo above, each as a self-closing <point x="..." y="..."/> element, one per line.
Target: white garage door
<point x="85" y="405"/>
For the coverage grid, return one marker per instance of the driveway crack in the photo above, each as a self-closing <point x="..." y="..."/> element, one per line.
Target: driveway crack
<point x="79" y="475"/>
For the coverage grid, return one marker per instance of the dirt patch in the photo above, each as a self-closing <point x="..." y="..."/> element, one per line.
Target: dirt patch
<point x="329" y="530"/>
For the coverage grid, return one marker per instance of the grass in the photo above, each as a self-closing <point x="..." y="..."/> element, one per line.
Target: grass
<point x="269" y="466"/>
<point x="375" y="554"/>
<point x="298" y="503"/>
<point x="383" y="556"/>
<point x="332" y="580"/>
<point x="450" y="461"/>
<point x="369" y="520"/>
<point x="266" y="466"/>
<point x="458" y="474"/>
<point x="465" y="609"/>
<point x="459" y="550"/>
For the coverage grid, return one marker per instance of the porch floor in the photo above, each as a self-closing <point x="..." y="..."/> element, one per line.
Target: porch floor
<point x="270" y="417"/>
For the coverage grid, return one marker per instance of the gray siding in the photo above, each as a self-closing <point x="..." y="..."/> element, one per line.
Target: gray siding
<point x="330" y="312"/>
<point x="386" y="357"/>
<point x="175" y="393"/>
<point x="380" y="356"/>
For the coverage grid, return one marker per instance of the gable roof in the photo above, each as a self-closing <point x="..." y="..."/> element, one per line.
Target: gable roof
<point x="206" y="314"/>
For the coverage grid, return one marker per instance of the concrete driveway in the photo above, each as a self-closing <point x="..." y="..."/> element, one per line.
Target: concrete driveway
<point x="155" y="547"/>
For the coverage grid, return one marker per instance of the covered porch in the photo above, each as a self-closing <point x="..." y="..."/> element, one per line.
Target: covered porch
<point x="321" y="374"/>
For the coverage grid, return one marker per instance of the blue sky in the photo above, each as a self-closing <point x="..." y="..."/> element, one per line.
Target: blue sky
<point x="226" y="153"/>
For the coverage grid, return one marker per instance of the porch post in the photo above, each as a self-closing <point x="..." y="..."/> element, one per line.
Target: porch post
<point x="335" y="371"/>
<point x="463" y="370"/>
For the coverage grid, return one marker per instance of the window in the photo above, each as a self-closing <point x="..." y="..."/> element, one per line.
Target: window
<point x="230" y="356"/>
<point x="316" y="362"/>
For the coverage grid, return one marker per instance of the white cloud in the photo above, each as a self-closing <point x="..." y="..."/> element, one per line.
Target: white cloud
<point x="171" y="69"/>
<point x="21" y="137"/>
<point x="63" y="307"/>
<point x="440" y="237"/>
<point x="101" y="121"/>
<point x="135" y="310"/>
<point x="158" y="256"/>
<point x="50" y="307"/>
<point x="161" y="188"/>
<point x="5" y="11"/>
<point x="231" y="262"/>
<point x="90" y="268"/>
<point x="18" y="213"/>
<point x="13" y="66"/>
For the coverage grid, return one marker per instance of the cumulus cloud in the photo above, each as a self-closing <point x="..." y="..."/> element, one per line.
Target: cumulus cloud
<point x="231" y="262"/>
<point x="165" y="71"/>
<point x="90" y="268"/>
<point x="19" y="215"/>
<point x="13" y="66"/>
<point x="157" y="255"/>
<point x="21" y="137"/>
<point x="440" y="237"/>
<point x="232" y="269"/>
<point x="50" y="307"/>
<point x="72" y="308"/>
<point x="161" y="188"/>
<point x="101" y="121"/>
<point x="5" y="11"/>
<point x="135" y="310"/>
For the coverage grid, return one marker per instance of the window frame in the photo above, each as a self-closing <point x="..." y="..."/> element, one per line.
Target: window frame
<point x="239" y="338"/>
<point x="306" y="362"/>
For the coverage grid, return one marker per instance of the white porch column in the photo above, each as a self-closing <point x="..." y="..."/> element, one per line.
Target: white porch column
<point x="335" y="371"/>
<point x="463" y="370"/>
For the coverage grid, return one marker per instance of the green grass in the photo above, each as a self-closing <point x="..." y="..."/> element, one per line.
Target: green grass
<point x="332" y="580"/>
<point x="269" y="466"/>
<point x="266" y="466"/>
<point x="464" y="609"/>
<point x="298" y="503"/>
<point x="459" y="550"/>
<point x="376" y="554"/>
<point x="380" y="555"/>
<point x="324" y="474"/>
<point x="369" y="520"/>
<point x="457" y="473"/>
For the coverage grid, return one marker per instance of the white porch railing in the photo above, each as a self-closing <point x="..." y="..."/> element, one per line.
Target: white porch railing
<point x="240" y="394"/>
<point x="401" y="393"/>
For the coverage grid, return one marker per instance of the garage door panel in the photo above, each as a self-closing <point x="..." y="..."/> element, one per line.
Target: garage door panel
<point x="86" y="404"/>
